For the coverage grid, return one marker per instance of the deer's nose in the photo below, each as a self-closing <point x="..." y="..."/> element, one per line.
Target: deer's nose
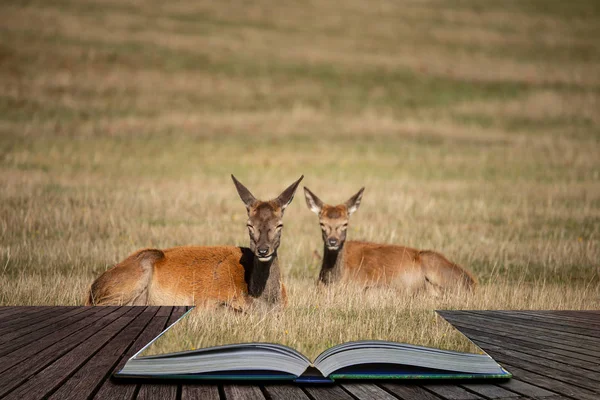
<point x="332" y="241"/>
<point x="263" y="251"/>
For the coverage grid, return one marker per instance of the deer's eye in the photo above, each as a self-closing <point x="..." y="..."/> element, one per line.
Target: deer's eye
<point x="250" y="228"/>
<point x="278" y="227"/>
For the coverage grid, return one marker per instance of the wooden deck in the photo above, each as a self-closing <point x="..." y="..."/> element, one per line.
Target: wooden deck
<point x="71" y="352"/>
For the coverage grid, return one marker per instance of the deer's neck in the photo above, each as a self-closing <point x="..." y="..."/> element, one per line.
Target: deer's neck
<point x="264" y="281"/>
<point x="332" y="266"/>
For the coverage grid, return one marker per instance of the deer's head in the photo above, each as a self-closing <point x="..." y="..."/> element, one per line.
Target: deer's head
<point x="333" y="219"/>
<point x="265" y="219"/>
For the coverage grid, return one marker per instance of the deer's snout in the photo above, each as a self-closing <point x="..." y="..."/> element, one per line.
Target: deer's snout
<point x="333" y="243"/>
<point x="264" y="253"/>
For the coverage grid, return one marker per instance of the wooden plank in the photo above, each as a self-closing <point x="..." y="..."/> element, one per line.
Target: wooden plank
<point x="584" y="343"/>
<point x="44" y="314"/>
<point x="51" y="377"/>
<point x="113" y="390"/>
<point x="573" y="355"/>
<point x="526" y="389"/>
<point x="569" y="322"/>
<point x="367" y="391"/>
<point x="242" y="392"/>
<point x="552" y="384"/>
<point x="537" y="343"/>
<point x="555" y="397"/>
<point x="178" y="311"/>
<point x="574" y="316"/>
<point x="6" y="310"/>
<point x="489" y="341"/>
<point x="592" y="375"/>
<point x="584" y="314"/>
<point x="161" y="391"/>
<point x="563" y="376"/>
<point x="167" y="390"/>
<point x="197" y="392"/>
<point x="537" y="375"/>
<point x="285" y="392"/>
<point x="504" y="330"/>
<point x="526" y="319"/>
<point x="409" y="392"/>
<point x="545" y="367"/>
<point x="490" y="391"/>
<point x="539" y="329"/>
<point x="327" y="393"/>
<point x="589" y="321"/>
<point x="451" y="392"/>
<point x="15" y="312"/>
<point x="576" y="312"/>
<point x="63" y="314"/>
<point x="37" y="356"/>
<point x="157" y="392"/>
<point x="27" y="360"/>
<point x="597" y="312"/>
<point x="91" y="375"/>
<point x="27" y="315"/>
<point x="504" y="339"/>
<point x="45" y="335"/>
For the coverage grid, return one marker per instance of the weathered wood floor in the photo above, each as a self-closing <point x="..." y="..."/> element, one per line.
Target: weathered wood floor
<point x="70" y="353"/>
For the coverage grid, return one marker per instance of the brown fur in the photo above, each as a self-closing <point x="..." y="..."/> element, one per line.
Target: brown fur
<point x="405" y="268"/>
<point x="334" y="212"/>
<point x="189" y="275"/>
<point x="193" y="275"/>
<point x="375" y="264"/>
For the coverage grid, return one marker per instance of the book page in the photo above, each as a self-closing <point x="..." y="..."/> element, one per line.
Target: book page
<point x="317" y="319"/>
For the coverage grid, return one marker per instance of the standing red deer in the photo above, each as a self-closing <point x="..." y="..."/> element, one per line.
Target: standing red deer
<point x="195" y="275"/>
<point x="375" y="264"/>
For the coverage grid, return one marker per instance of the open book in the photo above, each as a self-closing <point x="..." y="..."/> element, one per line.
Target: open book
<point x="364" y="359"/>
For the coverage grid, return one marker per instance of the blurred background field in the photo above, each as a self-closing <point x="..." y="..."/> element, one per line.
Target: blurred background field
<point x="475" y="127"/>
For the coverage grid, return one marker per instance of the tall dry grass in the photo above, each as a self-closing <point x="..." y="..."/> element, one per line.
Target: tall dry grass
<point x="473" y="127"/>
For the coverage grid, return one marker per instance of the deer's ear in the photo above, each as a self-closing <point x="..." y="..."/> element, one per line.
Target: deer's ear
<point x="312" y="201"/>
<point x="354" y="201"/>
<point x="286" y="197"/>
<point x="244" y="193"/>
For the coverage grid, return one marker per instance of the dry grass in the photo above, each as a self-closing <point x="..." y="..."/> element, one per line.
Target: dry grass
<point x="474" y="128"/>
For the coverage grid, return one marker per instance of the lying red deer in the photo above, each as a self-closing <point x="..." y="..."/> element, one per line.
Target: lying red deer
<point x="375" y="264"/>
<point x="194" y="275"/>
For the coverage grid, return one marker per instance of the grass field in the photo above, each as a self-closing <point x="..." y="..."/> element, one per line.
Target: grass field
<point x="474" y="126"/>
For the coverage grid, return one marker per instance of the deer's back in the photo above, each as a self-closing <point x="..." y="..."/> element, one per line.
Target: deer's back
<point x="382" y="263"/>
<point x="391" y="265"/>
<point x="192" y="274"/>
